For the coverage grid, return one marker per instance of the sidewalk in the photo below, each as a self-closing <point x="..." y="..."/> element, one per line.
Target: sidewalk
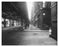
<point x="33" y="28"/>
<point x="7" y="28"/>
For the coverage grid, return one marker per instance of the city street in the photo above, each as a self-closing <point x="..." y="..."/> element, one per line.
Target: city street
<point x="13" y="37"/>
<point x="29" y="23"/>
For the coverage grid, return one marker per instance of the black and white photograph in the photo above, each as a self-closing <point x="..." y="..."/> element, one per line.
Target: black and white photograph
<point x="29" y="23"/>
